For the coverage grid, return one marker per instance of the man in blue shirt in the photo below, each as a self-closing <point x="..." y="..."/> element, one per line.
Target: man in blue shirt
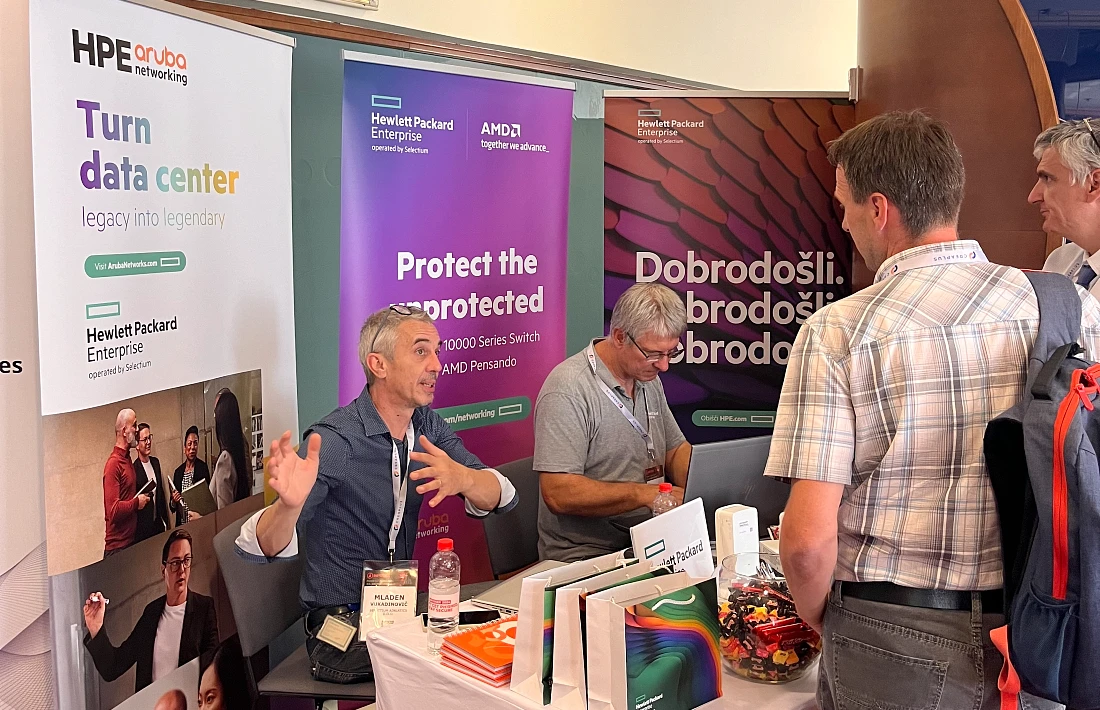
<point x="349" y="496"/>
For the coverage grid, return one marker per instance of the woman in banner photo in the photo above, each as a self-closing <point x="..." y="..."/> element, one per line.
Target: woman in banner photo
<point x="222" y="681"/>
<point x="191" y="471"/>
<point x="232" y="479"/>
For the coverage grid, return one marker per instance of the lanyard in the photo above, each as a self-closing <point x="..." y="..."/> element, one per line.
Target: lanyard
<point x="620" y="406"/>
<point x="937" y="258"/>
<point x="400" y="486"/>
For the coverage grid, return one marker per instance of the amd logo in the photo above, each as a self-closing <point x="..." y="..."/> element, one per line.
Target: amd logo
<point x="100" y="48"/>
<point x="504" y="130"/>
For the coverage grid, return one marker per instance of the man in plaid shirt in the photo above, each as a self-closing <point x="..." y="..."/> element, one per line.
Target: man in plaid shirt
<point x="890" y="540"/>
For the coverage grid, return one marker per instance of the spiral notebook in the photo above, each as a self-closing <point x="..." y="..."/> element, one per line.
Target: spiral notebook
<point x="484" y="652"/>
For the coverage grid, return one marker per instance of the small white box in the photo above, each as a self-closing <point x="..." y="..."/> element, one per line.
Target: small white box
<point x="736" y="530"/>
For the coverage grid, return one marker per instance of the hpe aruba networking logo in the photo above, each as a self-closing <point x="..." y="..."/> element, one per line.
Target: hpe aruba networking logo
<point x="164" y="64"/>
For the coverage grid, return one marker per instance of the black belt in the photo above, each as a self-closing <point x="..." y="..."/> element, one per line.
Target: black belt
<point x="316" y="617"/>
<point x="950" y="599"/>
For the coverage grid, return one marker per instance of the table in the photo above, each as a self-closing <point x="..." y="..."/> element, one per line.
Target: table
<point x="406" y="676"/>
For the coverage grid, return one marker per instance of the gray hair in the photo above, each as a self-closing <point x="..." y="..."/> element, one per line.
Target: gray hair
<point x="910" y="158"/>
<point x="650" y="308"/>
<point x="123" y="416"/>
<point x="1075" y="146"/>
<point x="379" y="333"/>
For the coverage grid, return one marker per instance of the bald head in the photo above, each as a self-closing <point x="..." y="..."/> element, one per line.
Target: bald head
<point x="125" y="430"/>
<point x="125" y="417"/>
<point x="172" y="700"/>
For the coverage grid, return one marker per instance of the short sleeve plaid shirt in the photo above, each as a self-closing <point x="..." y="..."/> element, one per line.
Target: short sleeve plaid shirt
<point x="888" y="392"/>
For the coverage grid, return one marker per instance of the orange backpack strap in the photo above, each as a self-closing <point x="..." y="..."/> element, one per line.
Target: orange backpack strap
<point x="1008" y="682"/>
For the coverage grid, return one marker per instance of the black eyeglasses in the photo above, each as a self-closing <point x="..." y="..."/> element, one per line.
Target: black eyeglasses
<point x="146" y="439"/>
<point x="656" y="357"/>
<point x="175" y="565"/>
<point x="399" y="310"/>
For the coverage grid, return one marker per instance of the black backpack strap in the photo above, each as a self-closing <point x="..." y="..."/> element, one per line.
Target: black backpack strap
<point x="1059" y="326"/>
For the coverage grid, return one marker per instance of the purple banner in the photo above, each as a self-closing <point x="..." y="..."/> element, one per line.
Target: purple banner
<point x="454" y="198"/>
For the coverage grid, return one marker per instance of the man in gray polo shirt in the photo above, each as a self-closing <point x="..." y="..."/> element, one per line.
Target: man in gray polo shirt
<point x="604" y="435"/>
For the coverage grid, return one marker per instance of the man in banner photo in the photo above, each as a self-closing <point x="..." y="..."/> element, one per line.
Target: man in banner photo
<point x="174" y="628"/>
<point x="120" y="505"/>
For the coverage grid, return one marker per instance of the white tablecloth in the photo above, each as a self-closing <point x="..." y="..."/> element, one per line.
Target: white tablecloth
<point x="406" y="676"/>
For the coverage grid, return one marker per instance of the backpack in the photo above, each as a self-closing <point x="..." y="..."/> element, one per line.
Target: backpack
<point x="1041" y="458"/>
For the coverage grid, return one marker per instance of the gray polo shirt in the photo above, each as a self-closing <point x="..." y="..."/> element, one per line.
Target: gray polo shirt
<point x="579" y="431"/>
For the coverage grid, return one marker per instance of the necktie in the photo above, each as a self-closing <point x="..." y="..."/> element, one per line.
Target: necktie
<point x="1085" y="275"/>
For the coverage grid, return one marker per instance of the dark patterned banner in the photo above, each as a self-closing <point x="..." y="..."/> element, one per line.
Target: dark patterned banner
<point x="728" y="201"/>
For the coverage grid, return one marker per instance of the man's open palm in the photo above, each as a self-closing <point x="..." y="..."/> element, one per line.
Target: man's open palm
<point x="293" y="477"/>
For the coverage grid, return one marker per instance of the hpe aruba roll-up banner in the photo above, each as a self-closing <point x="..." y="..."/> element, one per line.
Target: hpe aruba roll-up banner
<point x="162" y="208"/>
<point x="455" y="198"/>
<point x="727" y="199"/>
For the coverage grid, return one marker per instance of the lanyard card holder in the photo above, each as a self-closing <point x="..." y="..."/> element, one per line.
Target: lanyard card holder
<point x="654" y="469"/>
<point x="389" y="594"/>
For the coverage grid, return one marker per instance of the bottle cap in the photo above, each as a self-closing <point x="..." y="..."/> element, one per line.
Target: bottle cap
<point x="444" y="543"/>
<point x="665" y="487"/>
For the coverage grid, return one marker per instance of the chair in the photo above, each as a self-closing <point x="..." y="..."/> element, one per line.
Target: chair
<point x="264" y="599"/>
<point x="513" y="537"/>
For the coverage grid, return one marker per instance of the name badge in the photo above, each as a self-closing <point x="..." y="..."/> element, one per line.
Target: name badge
<point x="389" y="594"/>
<point x="655" y="473"/>
<point x="336" y="633"/>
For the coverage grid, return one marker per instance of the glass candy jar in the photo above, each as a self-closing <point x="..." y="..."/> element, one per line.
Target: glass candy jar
<point x="763" y="638"/>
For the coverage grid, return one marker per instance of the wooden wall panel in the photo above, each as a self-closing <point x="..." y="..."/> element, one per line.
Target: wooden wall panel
<point x="977" y="66"/>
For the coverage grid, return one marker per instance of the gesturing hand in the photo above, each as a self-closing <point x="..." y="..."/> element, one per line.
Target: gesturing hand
<point x="293" y="477"/>
<point x="450" y="478"/>
<point x="93" y="613"/>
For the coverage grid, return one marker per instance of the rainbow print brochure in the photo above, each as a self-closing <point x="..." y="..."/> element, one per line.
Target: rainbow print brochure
<point x="532" y="669"/>
<point x="653" y="645"/>
<point x="570" y="690"/>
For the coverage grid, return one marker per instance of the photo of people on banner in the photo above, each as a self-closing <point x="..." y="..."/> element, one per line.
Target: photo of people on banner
<point x="207" y="440"/>
<point x="728" y="201"/>
<point x="152" y="479"/>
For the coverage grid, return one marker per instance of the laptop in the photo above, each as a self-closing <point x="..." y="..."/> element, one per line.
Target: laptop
<point x="504" y="597"/>
<point x="727" y="472"/>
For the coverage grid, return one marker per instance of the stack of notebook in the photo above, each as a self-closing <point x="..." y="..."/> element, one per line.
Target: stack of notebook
<point x="483" y="652"/>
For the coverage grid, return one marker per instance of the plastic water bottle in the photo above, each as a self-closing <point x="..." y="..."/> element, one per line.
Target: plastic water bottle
<point x="444" y="572"/>
<point x="664" y="501"/>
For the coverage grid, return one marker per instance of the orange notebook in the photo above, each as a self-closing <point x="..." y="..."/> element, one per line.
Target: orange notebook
<point x="488" y="680"/>
<point x="489" y="647"/>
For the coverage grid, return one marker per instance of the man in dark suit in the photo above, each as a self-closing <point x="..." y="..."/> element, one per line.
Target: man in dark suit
<point x="173" y="629"/>
<point x="152" y="520"/>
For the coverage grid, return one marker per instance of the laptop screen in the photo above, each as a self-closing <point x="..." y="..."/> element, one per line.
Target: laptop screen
<point x="727" y="472"/>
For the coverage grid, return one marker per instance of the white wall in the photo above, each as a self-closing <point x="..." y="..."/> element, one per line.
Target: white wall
<point x="25" y="671"/>
<point x="754" y="45"/>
